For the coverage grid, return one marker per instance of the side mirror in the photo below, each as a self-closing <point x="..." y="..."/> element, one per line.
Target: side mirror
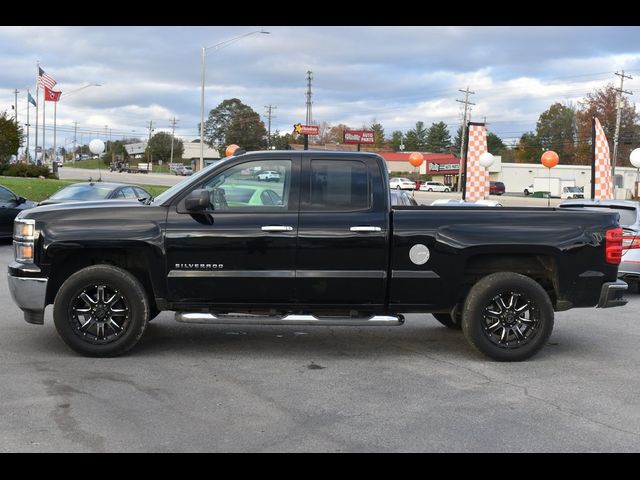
<point x="197" y="200"/>
<point x="20" y="200"/>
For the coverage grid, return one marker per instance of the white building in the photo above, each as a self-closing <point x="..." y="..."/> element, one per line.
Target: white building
<point x="191" y="151"/>
<point x="518" y="176"/>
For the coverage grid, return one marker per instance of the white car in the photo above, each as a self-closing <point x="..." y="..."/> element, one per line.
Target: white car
<point x="269" y="176"/>
<point x="401" y="183"/>
<point x="572" y="192"/>
<point x="434" y="187"/>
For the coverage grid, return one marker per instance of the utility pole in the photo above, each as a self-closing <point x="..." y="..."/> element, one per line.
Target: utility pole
<point x="149" y="142"/>
<point x="309" y="118"/>
<point x="75" y="136"/>
<point x="464" y="130"/>
<point x="616" y="137"/>
<point x="173" y="133"/>
<point x="269" y="117"/>
<point x="15" y="107"/>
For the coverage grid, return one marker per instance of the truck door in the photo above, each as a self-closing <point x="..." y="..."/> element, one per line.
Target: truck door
<point x="242" y="248"/>
<point x="342" y="233"/>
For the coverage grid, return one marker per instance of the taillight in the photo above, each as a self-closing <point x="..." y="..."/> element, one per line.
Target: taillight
<point x="613" y="246"/>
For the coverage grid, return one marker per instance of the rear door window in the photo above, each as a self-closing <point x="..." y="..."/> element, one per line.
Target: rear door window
<point x="338" y="186"/>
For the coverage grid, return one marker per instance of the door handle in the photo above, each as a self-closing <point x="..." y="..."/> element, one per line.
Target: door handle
<point x="365" y="229"/>
<point x="277" y="228"/>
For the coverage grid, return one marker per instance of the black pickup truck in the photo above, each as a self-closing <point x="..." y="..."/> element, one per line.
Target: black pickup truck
<point x="319" y="246"/>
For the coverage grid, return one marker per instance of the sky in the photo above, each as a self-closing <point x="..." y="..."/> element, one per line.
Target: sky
<point x="393" y="75"/>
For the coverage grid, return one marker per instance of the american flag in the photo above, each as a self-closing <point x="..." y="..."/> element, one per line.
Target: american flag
<point x="45" y="80"/>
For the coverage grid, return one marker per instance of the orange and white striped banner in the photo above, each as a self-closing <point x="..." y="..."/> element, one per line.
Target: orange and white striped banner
<point x="601" y="165"/>
<point x="477" y="184"/>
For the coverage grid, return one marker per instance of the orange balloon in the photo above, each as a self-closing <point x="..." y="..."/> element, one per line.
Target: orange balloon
<point x="416" y="159"/>
<point x="549" y="159"/>
<point x="230" y="149"/>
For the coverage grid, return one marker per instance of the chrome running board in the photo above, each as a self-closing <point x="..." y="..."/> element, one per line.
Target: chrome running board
<point x="292" y="319"/>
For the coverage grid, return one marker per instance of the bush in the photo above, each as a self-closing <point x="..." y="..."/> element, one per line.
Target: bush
<point x="25" y="170"/>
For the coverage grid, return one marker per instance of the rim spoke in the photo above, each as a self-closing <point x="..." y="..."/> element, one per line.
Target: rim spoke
<point x="118" y="312"/>
<point x="494" y="327"/>
<point x="114" y="326"/>
<point x="82" y="310"/>
<point x="116" y="297"/>
<point x="87" y="299"/>
<point x="503" y="335"/>
<point x="100" y="333"/>
<point x="526" y="320"/>
<point x="517" y="333"/>
<point x="523" y="308"/>
<point x="87" y="324"/>
<point x="101" y="293"/>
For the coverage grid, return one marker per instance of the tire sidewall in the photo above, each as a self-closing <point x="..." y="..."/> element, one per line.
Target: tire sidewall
<point x="117" y="278"/>
<point x="479" y="297"/>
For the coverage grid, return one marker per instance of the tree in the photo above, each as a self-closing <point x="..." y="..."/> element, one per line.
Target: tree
<point x="234" y="122"/>
<point x="336" y="133"/>
<point x="438" y="138"/>
<point x="416" y="139"/>
<point x="160" y="147"/>
<point x="281" y="142"/>
<point x="378" y="133"/>
<point x="495" y="144"/>
<point x="602" y="103"/>
<point x="396" y="140"/>
<point x="457" y="142"/>
<point x="529" y="148"/>
<point x="556" y="131"/>
<point x="10" y="138"/>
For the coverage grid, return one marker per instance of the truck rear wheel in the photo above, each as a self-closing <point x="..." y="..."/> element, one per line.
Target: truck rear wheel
<point x="101" y="311"/>
<point x="449" y="321"/>
<point x="507" y="316"/>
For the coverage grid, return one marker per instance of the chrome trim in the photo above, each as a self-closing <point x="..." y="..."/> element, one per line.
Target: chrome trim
<point x="277" y="228"/>
<point x="341" y="273"/>
<point x="232" y="273"/>
<point x="414" y="274"/>
<point x="28" y="293"/>
<point x="278" y="273"/>
<point x="291" y="319"/>
<point x="365" y="229"/>
<point x="591" y="273"/>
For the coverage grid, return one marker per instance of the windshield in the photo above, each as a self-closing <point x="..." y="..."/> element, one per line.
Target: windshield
<point x="572" y="189"/>
<point x="82" y="192"/>
<point x="167" y="194"/>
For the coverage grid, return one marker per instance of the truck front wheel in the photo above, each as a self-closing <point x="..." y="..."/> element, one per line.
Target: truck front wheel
<point x="101" y="311"/>
<point x="507" y="316"/>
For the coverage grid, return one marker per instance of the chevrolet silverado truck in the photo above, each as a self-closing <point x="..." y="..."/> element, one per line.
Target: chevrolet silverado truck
<point x="322" y="245"/>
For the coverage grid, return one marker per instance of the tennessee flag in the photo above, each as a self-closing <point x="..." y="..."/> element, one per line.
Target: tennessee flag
<point x="601" y="173"/>
<point x="477" y="183"/>
<point x="51" y="95"/>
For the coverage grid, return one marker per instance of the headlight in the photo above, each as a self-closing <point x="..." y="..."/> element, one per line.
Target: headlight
<point x="24" y="231"/>
<point x="23" y="251"/>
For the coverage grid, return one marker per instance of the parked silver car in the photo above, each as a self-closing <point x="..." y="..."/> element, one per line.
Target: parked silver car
<point x="629" y="211"/>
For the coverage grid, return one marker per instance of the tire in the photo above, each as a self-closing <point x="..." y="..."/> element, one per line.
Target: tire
<point x="110" y="301"/>
<point x="430" y="190"/>
<point x="398" y="187"/>
<point x="493" y="324"/>
<point x="448" y="321"/>
<point x="446" y="190"/>
<point x="526" y="192"/>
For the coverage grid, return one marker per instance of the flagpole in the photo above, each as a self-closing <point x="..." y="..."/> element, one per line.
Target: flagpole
<point x="35" y="158"/>
<point x="28" y="125"/>
<point x="55" y="156"/>
<point x="44" y="148"/>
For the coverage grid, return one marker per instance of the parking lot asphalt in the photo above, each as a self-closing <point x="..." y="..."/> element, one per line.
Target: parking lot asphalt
<point x="418" y="387"/>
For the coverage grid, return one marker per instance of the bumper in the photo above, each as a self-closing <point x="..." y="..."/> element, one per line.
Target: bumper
<point x="30" y="295"/>
<point x="611" y="294"/>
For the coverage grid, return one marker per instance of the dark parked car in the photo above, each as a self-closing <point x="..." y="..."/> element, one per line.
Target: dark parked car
<point x="496" y="188"/>
<point x="79" y="192"/>
<point x="10" y="205"/>
<point x="401" y="197"/>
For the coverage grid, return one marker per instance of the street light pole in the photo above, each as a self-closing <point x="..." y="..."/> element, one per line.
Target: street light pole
<point x="217" y="46"/>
